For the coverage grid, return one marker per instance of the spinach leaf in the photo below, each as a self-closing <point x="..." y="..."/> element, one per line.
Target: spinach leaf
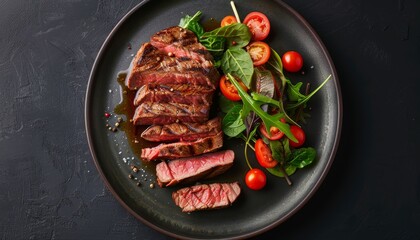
<point x="215" y="45"/>
<point x="249" y="104"/>
<point x="238" y="62"/>
<point x="302" y="157"/>
<point x="192" y="23"/>
<point x="276" y="171"/>
<point x="226" y="105"/>
<point x="232" y="124"/>
<point x="236" y="34"/>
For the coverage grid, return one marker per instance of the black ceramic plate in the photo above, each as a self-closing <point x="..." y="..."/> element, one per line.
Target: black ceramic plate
<point x="254" y="212"/>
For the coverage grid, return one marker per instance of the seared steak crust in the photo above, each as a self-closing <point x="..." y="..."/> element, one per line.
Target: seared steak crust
<point x="153" y="66"/>
<point x="206" y="196"/>
<point x="182" y="131"/>
<point x="183" y="149"/>
<point x="181" y="42"/>
<point x="149" y="113"/>
<point x="182" y="93"/>
<point x="187" y="170"/>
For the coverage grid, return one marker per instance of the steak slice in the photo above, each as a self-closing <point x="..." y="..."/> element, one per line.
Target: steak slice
<point x="187" y="170"/>
<point x="182" y="131"/>
<point x="153" y="66"/>
<point x="184" y="93"/>
<point x="183" y="149"/>
<point x="206" y="196"/>
<point x="149" y="113"/>
<point x="180" y="42"/>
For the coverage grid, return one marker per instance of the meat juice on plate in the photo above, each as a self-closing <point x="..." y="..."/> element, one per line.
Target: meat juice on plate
<point x="132" y="131"/>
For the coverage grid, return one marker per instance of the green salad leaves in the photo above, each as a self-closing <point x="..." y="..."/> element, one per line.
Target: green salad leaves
<point x="242" y="119"/>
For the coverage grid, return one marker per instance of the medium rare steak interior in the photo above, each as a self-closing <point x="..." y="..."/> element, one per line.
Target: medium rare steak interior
<point x="206" y="196"/>
<point x="187" y="170"/>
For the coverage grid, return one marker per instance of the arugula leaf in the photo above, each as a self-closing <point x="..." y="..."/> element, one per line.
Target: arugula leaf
<point x="232" y="124"/>
<point x="249" y="104"/>
<point x="304" y="100"/>
<point x="192" y="23"/>
<point x="236" y="34"/>
<point x="302" y="157"/>
<point x="248" y="139"/>
<point x="226" y="105"/>
<point x="238" y="62"/>
<point x="279" y="104"/>
<point x="293" y="92"/>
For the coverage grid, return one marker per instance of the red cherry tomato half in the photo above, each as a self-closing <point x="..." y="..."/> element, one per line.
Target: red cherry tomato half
<point x="228" y="20"/>
<point x="255" y="179"/>
<point x="259" y="52"/>
<point x="299" y="135"/>
<point x="258" y="24"/>
<point x="275" y="133"/>
<point x="263" y="154"/>
<point x="229" y="90"/>
<point x="292" y="61"/>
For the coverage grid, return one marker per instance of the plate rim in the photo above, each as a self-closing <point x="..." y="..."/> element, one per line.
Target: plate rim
<point x="300" y="205"/>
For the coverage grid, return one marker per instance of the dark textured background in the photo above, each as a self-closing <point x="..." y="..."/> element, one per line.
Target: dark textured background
<point x="50" y="189"/>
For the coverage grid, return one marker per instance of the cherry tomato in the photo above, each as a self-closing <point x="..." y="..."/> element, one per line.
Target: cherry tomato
<point x="292" y="61"/>
<point x="255" y="179"/>
<point x="263" y="154"/>
<point x="258" y="24"/>
<point x="228" y="20"/>
<point x="229" y="90"/>
<point x="275" y="133"/>
<point x="260" y="52"/>
<point x="299" y="135"/>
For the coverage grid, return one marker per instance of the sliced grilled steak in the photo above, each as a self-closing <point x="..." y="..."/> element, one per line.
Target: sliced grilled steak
<point x="153" y="66"/>
<point x="206" y="196"/>
<point x="183" y="149"/>
<point x="180" y="42"/>
<point x="182" y="131"/>
<point x="187" y="170"/>
<point x="149" y="113"/>
<point x="185" y="93"/>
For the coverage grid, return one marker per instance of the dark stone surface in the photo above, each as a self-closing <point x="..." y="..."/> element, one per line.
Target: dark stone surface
<point x="50" y="189"/>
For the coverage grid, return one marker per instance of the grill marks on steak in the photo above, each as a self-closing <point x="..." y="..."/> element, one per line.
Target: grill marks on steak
<point x="185" y="94"/>
<point x="183" y="149"/>
<point x="181" y="42"/>
<point x="176" y="79"/>
<point x="182" y="131"/>
<point x="151" y="65"/>
<point x="206" y="196"/>
<point x="149" y="113"/>
<point x="187" y="170"/>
